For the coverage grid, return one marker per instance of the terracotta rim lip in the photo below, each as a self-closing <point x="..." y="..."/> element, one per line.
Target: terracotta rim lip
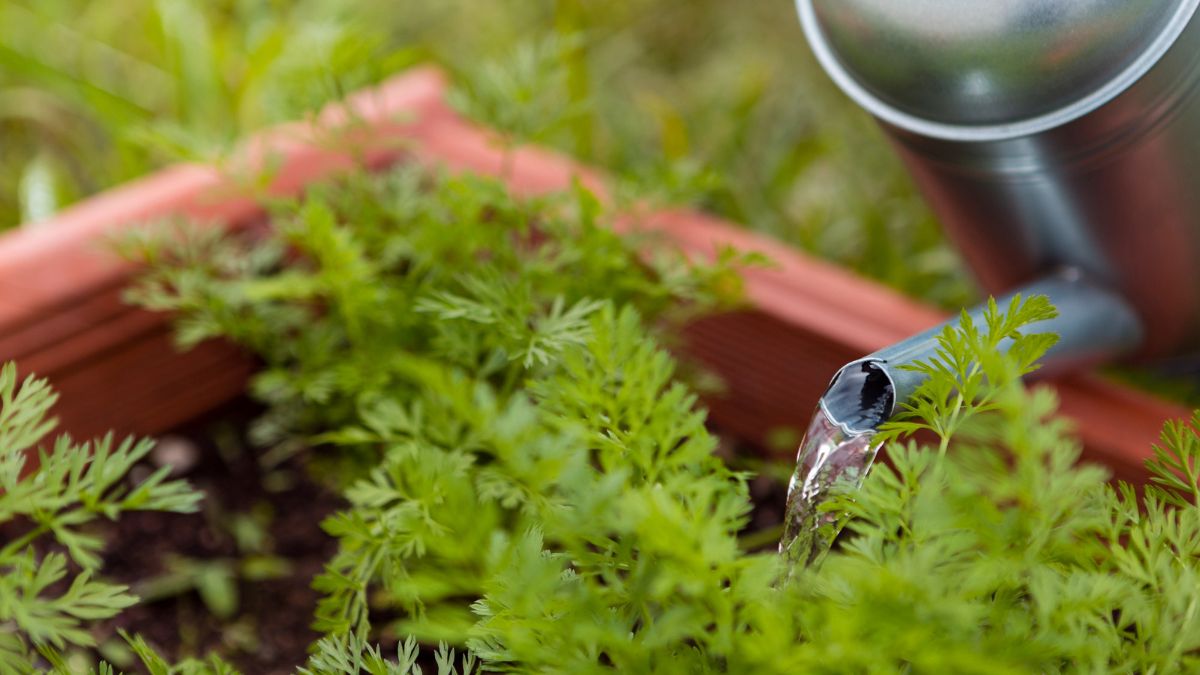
<point x="896" y="117"/>
<point x="788" y="317"/>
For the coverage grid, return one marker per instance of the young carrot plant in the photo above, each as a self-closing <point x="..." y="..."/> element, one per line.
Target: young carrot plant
<point x="527" y="478"/>
<point x="50" y="588"/>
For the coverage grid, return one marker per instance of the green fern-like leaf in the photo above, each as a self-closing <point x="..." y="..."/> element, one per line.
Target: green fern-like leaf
<point x="69" y="485"/>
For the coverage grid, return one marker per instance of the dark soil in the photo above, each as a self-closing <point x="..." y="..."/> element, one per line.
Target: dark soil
<point x="269" y="631"/>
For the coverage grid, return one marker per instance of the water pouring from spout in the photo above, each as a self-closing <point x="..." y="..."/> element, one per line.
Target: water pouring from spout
<point x="837" y="452"/>
<point x="1093" y="324"/>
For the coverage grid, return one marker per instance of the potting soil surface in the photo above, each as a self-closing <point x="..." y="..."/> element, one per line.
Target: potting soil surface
<point x="276" y="514"/>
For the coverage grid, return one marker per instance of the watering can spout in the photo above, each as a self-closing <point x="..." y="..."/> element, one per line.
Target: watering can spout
<point x="1094" y="325"/>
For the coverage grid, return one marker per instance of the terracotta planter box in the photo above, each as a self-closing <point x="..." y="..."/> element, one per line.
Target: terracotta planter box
<point x="61" y="313"/>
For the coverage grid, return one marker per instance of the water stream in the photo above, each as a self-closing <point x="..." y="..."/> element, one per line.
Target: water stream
<point x="830" y="462"/>
<point x="833" y="460"/>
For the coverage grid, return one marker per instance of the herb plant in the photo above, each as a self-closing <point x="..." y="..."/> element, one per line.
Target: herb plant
<point x="528" y="479"/>
<point x="485" y="366"/>
<point x="50" y="590"/>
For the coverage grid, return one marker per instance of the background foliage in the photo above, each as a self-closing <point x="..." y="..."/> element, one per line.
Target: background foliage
<point x="714" y="102"/>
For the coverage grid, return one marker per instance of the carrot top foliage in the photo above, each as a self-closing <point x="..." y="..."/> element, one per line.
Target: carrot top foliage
<point x="527" y="479"/>
<point x="50" y="588"/>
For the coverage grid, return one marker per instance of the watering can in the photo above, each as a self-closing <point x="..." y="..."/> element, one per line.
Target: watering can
<point x="1059" y="143"/>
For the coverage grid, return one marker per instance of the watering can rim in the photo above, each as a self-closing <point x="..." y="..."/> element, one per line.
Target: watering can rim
<point x="893" y="115"/>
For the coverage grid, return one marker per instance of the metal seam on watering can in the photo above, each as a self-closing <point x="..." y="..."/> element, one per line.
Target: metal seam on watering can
<point x="1045" y="134"/>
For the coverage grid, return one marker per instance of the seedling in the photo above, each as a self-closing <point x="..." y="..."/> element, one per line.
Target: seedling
<point x="49" y="594"/>
<point x="526" y="477"/>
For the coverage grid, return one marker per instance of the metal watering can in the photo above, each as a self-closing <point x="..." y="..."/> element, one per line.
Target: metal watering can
<point x="1059" y="143"/>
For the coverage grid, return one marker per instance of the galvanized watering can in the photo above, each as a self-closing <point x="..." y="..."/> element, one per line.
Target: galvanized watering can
<point x="1059" y="143"/>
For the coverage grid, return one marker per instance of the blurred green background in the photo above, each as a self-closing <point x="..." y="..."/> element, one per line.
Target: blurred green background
<point x="715" y="103"/>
